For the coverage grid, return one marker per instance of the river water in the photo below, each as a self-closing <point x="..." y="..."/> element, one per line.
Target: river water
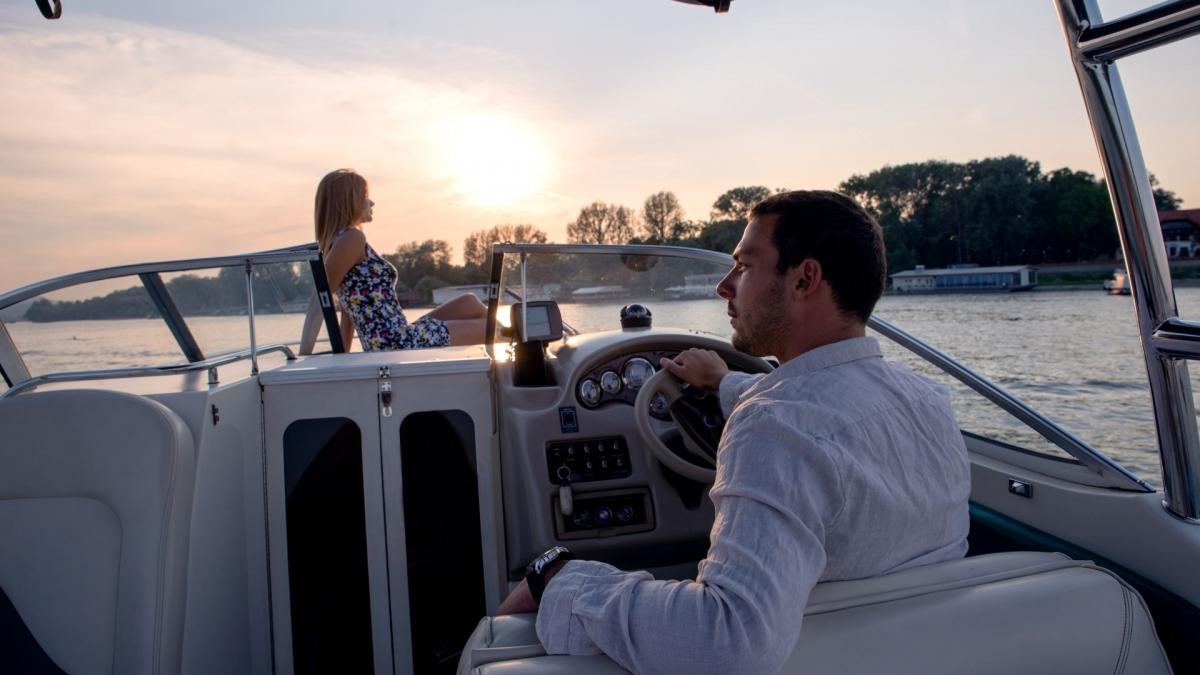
<point x="1073" y="355"/>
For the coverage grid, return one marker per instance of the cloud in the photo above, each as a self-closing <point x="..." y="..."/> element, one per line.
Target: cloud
<point x="133" y="142"/>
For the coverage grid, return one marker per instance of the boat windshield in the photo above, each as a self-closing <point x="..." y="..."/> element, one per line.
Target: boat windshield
<point x="592" y="283"/>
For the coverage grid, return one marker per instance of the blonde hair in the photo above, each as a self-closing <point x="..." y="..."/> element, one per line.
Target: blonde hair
<point x="339" y="204"/>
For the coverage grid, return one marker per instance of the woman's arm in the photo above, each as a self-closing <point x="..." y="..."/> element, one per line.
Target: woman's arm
<point x="349" y="250"/>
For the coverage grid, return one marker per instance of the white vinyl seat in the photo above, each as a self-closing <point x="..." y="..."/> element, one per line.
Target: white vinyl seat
<point x="95" y="504"/>
<point x="988" y="615"/>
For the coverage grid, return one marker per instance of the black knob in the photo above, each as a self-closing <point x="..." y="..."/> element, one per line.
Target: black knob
<point x="603" y="515"/>
<point x="635" y="316"/>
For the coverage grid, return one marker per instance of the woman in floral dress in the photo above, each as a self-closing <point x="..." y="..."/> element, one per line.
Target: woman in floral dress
<point x="365" y="282"/>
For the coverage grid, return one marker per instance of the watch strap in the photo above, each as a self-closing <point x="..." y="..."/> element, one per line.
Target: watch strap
<point x="535" y="573"/>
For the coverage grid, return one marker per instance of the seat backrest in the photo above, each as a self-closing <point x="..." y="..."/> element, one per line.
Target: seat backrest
<point x="95" y="504"/>
<point x="995" y="614"/>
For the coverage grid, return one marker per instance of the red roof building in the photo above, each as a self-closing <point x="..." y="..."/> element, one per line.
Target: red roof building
<point x="1181" y="232"/>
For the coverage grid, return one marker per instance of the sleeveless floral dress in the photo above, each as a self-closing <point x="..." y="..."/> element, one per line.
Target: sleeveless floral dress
<point x="368" y="293"/>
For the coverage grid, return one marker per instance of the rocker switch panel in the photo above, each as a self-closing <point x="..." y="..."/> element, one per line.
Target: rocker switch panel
<point x="586" y="460"/>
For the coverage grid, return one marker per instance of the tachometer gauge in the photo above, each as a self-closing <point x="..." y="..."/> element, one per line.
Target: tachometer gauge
<point x="589" y="392"/>
<point x="610" y="382"/>
<point x="637" y="370"/>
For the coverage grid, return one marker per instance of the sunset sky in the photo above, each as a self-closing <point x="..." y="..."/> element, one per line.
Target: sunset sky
<point x="139" y="130"/>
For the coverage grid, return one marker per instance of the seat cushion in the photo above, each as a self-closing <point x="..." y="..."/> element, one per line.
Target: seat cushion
<point x="1003" y="613"/>
<point x="95" y="503"/>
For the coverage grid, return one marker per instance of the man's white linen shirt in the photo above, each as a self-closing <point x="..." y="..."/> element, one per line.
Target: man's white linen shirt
<point x="837" y="465"/>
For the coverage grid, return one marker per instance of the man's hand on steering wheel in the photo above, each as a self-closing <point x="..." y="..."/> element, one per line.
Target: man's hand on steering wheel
<point x="698" y="367"/>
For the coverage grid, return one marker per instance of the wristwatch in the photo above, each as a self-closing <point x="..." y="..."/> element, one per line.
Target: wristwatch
<point x="535" y="572"/>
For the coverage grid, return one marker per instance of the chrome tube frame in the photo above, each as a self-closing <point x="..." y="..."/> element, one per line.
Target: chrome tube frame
<point x="1012" y="405"/>
<point x="13" y="365"/>
<point x="250" y="316"/>
<point x="1093" y="44"/>
<point x="292" y="254"/>
<point x="210" y="365"/>
<point x="601" y="249"/>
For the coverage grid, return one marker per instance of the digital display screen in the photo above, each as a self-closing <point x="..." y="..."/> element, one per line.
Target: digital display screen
<point x="538" y="325"/>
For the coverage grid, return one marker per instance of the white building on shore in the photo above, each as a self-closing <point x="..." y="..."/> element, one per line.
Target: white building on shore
<point x="965" y="279"/>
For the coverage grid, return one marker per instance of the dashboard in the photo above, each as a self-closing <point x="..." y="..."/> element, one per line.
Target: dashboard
<point x="577" y="471"/>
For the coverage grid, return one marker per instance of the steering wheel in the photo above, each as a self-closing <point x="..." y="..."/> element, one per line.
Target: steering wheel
<point x="697" y="415"/>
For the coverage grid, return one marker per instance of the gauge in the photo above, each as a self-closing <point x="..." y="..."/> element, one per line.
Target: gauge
<point x="637" y="371"/>
<point x="589" y="392"/>
<point x="610" y="382"/>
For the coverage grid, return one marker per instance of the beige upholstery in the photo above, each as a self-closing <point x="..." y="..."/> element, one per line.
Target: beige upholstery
<point x="95" y="501"/>
<point x="996" y="614"/>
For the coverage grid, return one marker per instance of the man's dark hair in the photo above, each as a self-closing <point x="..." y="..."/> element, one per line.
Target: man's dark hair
<point x="835" y="231"/>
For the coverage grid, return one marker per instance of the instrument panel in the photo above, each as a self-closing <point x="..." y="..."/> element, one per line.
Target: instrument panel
<point x="621" y="378"/>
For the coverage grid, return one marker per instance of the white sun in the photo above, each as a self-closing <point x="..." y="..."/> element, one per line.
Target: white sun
<point x="494" y="161"/>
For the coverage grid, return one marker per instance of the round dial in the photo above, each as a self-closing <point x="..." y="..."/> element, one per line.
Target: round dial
<point x="589" y="392"/>
<point x="637" y="370"/>
<point x="610" y="382"/>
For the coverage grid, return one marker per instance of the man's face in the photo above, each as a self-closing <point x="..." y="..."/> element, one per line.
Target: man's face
<point x="755" y="292"/>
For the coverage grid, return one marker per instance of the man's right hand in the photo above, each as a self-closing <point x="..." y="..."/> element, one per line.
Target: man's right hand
<point x="698" y="367"/>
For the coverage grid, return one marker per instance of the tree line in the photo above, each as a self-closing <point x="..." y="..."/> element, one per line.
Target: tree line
<point x="994" y="211"/>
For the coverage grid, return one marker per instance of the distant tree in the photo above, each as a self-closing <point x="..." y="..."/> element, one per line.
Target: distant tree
<point x="1164" y="200"/>
<point x="477" y="248"/>
<point x="1075" y="218"/>
<point x="416" y="260"/>
<point x="996" y="210"/>
<point x="662" y="219"/>
<point x="600" y="223"/>
<point x="720" y="235"/>
<point x="919" y="206"/>
<point x="735" y="204"/>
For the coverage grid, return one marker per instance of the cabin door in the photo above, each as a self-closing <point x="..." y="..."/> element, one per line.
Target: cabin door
<point x="384" y="516"/>
<point x="325" y="528"/>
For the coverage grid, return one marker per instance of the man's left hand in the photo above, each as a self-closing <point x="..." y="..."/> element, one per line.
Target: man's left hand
<point x="520" y="601"/>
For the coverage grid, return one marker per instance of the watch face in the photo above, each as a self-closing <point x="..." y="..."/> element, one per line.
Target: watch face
<point x="546" y="558"/>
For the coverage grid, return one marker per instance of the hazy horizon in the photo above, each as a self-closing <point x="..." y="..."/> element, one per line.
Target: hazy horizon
<point x="141" y="131"/>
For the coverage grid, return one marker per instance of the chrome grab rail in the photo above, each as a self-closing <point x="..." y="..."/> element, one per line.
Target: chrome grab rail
<point x="1092" y="44"/>
<point x="210" y="365"/>
<point x="1086" y="454"/>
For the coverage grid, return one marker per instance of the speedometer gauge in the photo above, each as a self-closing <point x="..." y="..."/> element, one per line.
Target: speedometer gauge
<point x="610" y="382"/>
<point x="589" y="392"/>
<point x="637" y="370"/>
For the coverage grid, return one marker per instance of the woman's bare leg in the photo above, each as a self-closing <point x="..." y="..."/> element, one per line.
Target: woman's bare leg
<point x="466" y="331"/>
<point x="465" y="306"/>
